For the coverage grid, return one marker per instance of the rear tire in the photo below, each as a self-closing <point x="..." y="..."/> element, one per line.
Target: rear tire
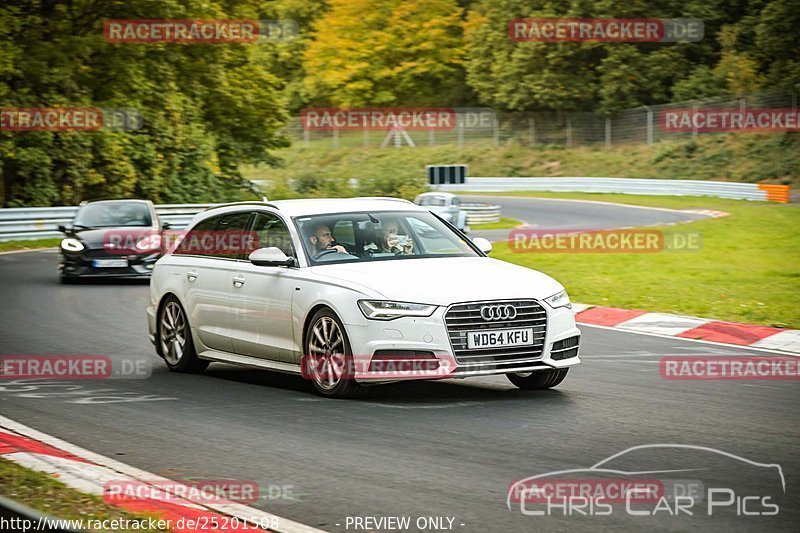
<point x="327" y="347"/>
<point x="174" y="338"/>
<point x="543" y="379"/>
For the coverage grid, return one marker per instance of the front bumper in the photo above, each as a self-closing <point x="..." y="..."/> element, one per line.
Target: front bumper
<point x="415" y="339"/>
<point x="81" y="265"/>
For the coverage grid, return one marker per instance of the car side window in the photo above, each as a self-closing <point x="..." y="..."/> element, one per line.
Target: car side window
<point x="269" y="230"/>
<point x="231" y="239"/>
<point x="189" y="245"/>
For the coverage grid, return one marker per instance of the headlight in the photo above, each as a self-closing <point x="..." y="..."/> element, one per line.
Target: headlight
<point x="557" y="300"/>
<point x="384" y="310"/>
<point x="150" y="243"/>
<point x="71" y="245"/>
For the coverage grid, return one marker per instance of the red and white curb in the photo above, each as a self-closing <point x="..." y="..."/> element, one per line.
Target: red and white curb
<point x="88" y="472"/>
<point x="687" y="327"/>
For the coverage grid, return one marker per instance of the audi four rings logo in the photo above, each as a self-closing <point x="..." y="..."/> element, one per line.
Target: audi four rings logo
<point x="498" y="312"/>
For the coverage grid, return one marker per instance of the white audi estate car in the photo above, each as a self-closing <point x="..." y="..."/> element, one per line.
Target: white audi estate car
<point x="354" y="292"/>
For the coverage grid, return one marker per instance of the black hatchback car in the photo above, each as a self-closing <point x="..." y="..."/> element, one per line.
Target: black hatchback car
<point x="111" y="238"/>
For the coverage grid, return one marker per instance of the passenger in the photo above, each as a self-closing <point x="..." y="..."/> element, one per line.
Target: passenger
<point x="390" y="242"/>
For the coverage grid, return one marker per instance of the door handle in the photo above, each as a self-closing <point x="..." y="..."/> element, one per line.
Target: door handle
<point x="238" y="281"/>
<point x="191" y="275"/>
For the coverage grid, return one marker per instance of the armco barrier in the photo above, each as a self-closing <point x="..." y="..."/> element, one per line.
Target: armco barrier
<point x="21" y="223"/>
<point x="481" y="213"/>
<point x="721" y="189"/>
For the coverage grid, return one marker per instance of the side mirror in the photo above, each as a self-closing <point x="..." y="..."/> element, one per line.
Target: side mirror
<point x="165" y="225"/>
<point x="62" y="228"/>
<point x="483" y="244"/>
<point x="271" y="256"/>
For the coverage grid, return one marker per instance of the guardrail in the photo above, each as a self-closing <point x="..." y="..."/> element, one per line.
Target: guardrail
<point x="480" y="213"/>
<point x="22" y="223"/>
<point x="721" y="189"/>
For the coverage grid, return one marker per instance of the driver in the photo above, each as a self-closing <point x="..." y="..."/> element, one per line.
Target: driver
<point x="322" y="239"/>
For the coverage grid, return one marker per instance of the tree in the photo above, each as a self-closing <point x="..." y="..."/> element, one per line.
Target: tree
<point x="206" y="108"/>
<point x="386" y="52"/>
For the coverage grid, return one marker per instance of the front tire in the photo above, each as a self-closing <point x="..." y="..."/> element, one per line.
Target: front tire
<point x="543" y="379"/>
<point x="174" y="339"/>
<point x="328" y="349"/>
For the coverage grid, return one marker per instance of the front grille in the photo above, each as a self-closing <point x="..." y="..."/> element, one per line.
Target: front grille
<point x="461" y="318"/>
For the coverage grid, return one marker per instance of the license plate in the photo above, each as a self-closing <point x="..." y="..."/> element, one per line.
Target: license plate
<point x="500" y="338"/>
<point x="110" y="263"/>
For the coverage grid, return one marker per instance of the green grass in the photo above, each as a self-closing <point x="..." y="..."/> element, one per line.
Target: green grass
<point x="319" y="170"/>
<point x="504" y="223"/>
<point x="8" y="246"/>
<point x="748" y="269"/>
<point x="43" y="493"/>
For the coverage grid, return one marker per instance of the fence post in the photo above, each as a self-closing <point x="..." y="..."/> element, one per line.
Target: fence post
<point x="496" y="126"/>
<point x="532" y="131"/>
<point x="569" y="132"/>
<point x="649" y="125"/>
<point x="306" y="137"/>
<point x="460" y="133"/>
<point x="336" y="137"/>
<point x="366" y="137"/>
<point x="608" y="132"/>
<point x="431" y="137"/>
<point x="694" y="112"/>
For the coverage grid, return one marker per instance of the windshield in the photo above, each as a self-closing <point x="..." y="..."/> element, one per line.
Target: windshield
<point x="434" y="201"/>
<point x="381" y="236"/>
<point x="113" y="214"/>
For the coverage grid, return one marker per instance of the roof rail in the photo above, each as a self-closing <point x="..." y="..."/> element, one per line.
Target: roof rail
<point x="248" y="202"/>
<point x="383" y="198"/>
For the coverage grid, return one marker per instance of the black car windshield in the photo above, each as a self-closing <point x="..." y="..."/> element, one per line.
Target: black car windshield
<point x="378" y="236"/>
<point x="113" y="214"/>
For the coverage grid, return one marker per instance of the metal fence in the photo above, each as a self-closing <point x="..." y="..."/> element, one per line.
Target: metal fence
<point x="639" y="125"/>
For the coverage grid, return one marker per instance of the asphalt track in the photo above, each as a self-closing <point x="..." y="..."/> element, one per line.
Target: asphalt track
<point x="551" y="214"/>
<point x="446" y="449"/>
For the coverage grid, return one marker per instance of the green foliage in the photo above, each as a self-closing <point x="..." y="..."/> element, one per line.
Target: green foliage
<point x="206" y="108"/>
<point x="386" y="52"/>
<point x="210" y="109"/>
